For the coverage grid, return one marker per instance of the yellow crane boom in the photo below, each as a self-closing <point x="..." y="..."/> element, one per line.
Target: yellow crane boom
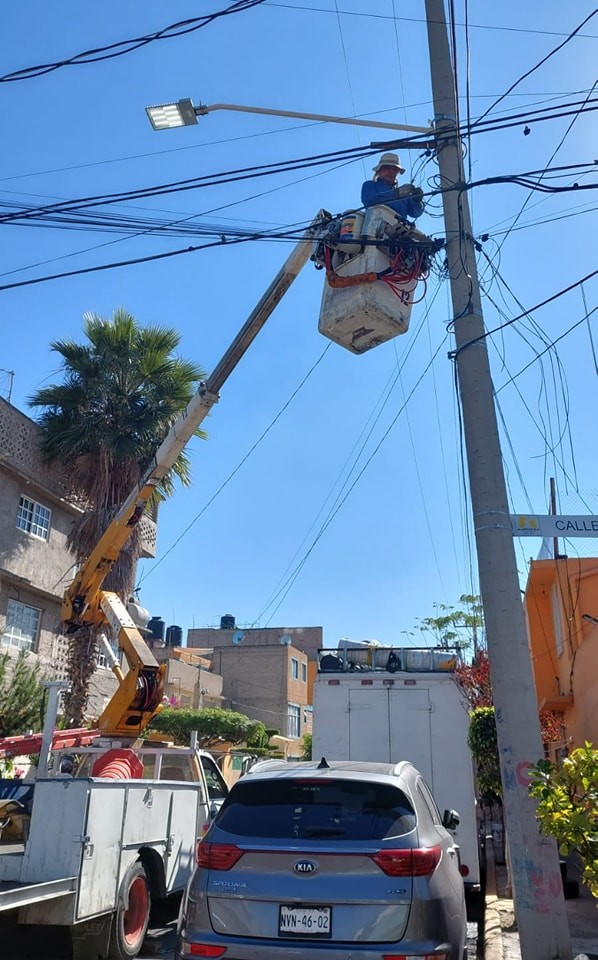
<point x="141" y="689"/>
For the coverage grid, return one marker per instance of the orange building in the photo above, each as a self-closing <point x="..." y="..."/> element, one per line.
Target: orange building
<point x="561" y="606"/>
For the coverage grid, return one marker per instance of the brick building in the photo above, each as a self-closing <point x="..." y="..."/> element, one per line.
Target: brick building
<point x="267" y="673"/>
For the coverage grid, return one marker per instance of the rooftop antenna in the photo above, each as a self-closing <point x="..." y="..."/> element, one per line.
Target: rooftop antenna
<point x="11" y="376"/>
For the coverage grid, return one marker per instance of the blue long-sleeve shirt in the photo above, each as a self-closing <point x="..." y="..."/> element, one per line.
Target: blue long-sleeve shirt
<point x="376" y="191"/>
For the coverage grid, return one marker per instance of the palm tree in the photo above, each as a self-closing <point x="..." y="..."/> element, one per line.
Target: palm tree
<point x="120" y="393"/>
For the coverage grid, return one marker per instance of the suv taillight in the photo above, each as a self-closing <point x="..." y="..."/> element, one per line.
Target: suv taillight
<point x="408" y="863"/>
<point x="217" y="856"/>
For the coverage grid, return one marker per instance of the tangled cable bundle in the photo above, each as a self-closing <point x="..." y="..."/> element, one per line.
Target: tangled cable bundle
<point x="407" y="266"/>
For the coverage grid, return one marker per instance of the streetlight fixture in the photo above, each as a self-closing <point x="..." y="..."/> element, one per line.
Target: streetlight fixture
<point x="184" y="113"/>
<point x="165" y="116"/>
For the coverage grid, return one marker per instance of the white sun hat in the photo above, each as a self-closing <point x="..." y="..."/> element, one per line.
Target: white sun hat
<point x="389" y="160"/>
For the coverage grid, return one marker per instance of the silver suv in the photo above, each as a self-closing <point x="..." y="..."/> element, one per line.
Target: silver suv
<point x="326" y="861"/>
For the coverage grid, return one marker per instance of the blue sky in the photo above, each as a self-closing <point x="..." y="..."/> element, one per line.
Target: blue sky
<point x="401" y="539"/>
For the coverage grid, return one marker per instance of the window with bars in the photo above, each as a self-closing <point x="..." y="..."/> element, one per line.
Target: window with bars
<point x="293" y="720"/>
<point x="34" y="518"/>
<point x="22" y="625"/>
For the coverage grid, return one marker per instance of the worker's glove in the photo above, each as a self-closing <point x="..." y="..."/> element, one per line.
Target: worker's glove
<point x="408" y="191"/>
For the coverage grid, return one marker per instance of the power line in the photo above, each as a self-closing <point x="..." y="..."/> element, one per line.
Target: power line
<point x="525" y="313"/>
<point x="127" y="263"/>
<point x="551" y="442"/>
<point x="243" y="173"/>
<point x="550" y="159"/>
<point x="548" y="347"/>
<point x="208" y="180"/>
<point x="574" y="212"/>
<point x="243" y="460"/>
<point x="284" y="590"/>
<point x="219" y="233"/>
<point x="267" y="133"/>
<point x="537" y="65"/>
<point x="284" y="235"/>
<point x="381" y="16"/>
<point x="122" y="47"/>
<point x="352" y="461"/>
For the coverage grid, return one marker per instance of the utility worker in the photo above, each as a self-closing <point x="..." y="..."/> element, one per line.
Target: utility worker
<point x="406" y="201"/>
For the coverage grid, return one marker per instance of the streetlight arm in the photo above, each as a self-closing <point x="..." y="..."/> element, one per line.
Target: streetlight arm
<point x="202" y="109"/>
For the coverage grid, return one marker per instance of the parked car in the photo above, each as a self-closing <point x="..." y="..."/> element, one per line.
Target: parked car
<point x="327" y="860"/>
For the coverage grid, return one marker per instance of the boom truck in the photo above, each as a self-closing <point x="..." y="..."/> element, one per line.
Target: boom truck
<point x="90" y="853"/>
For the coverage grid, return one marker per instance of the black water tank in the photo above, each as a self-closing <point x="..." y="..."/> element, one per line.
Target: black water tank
<point x="174" y="636"/>
<point x="227" y="622"/>
<point x="157" y="629"/>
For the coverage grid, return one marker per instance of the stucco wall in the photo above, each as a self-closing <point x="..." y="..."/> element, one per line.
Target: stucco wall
<point x="34" y="571"/>
<point x="47" y="563"/>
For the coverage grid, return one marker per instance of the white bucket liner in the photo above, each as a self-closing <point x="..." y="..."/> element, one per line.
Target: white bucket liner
<point x="362" y="316"/>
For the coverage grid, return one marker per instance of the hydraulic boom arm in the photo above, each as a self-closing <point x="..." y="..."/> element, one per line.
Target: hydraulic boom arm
<point x="141" y="689"/>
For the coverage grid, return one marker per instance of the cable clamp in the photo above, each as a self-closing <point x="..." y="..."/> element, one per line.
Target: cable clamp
<point x="493" y="526"/>
<point x="504" y="522"/>
<point x="469" y="311"/>
<point x="209" y="398"/>
<point x="478" y="342"/>
<point x="443" y="116"/>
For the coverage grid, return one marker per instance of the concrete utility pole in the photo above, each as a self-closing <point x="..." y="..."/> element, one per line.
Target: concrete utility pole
<point x="537" y="888"/>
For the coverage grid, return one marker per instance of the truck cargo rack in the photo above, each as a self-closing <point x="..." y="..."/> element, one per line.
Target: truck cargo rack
<point x="378" y="659"/>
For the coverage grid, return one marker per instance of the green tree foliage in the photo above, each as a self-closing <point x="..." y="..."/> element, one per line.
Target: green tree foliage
<point x="21" y="695"/>
<point x="214" y="726"/>
<point x="567" y="809"/>
<point x="482" y="742"/>
<point x="120" y="393"/>
<point x="306" y="746"/>
<point x="455" y="626"/>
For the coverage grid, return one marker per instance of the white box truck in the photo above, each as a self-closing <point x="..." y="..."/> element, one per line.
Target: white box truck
<point x="377" y="704"/>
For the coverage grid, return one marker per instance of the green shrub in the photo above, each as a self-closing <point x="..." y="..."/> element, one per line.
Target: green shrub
<point x="568" y="806"/>
<point x="213" y="725"/>
<point x="482" y="742"/>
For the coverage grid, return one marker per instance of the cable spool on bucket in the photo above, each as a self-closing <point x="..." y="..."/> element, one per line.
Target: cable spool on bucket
<point x="118" y="765"/>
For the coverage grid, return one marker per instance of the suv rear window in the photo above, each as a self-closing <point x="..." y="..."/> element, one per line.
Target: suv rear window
<point x="316" y="810"/>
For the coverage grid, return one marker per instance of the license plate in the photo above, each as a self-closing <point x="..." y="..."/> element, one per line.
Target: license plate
<point x="305" y="921"/>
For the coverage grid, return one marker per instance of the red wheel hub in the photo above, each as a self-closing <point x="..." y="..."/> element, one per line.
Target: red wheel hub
<point x="135" y="916"/>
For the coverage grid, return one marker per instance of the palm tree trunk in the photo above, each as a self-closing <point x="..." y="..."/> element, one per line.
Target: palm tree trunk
<point x="82" y="662"/>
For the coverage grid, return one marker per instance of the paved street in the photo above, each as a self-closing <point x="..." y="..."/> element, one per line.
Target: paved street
<point x="31" y="943"/>
<point x="34" y="945"/>
<point x="49" y="945"/>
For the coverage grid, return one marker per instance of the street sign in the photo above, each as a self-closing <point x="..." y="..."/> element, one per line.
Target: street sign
<point x="534" y="525"/>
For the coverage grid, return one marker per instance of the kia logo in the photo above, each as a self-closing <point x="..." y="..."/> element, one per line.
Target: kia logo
<point x="305" y="867"/>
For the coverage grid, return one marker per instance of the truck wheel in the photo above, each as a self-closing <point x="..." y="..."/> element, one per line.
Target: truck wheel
<point x="131" y="918"/>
